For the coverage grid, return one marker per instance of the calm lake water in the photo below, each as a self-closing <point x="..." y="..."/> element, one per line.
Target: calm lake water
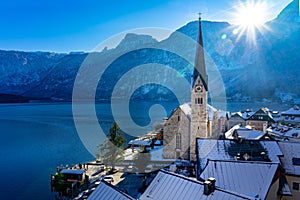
<point x="36" y="138"/>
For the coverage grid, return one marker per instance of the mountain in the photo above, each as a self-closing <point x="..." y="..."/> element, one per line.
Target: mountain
<point x="266" y="69"/>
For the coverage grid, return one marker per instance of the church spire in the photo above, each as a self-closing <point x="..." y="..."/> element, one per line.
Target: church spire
<point x="200" y="69"/>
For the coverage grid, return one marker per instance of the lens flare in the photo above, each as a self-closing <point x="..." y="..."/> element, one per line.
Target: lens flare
<point x="249" y="18"/>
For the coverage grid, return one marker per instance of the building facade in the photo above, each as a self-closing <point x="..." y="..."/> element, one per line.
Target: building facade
<point x="261" y="120"/>
<point x="192" y="120"/>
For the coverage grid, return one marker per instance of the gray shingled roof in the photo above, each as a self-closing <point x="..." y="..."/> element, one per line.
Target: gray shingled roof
<point x="108" y="192"/>
<point x="244" y="177"/>
<point x="224" y="150"/>
<point x="170" y="186"/>
<point x="291" y="150"/>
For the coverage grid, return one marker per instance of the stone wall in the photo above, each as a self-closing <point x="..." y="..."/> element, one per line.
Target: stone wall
<point x="178" y="123"/>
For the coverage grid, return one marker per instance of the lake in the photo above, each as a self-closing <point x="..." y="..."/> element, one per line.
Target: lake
<point x="38" y="137"/>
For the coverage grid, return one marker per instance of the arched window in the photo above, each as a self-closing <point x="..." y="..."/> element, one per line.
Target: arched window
<point x="178" y="141"/>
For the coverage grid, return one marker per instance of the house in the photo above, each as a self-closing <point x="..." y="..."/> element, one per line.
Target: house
<point x="108" y="192"/>
<point x="284" y="133"/>
<point x="262" y="180"/>
<point x="73" y="175"/>
<point x="291" y="163"/>
<point x="247" y="133"/>
<point x="168" y="185"/>
<point x="66" y="180"/>
<point x="194" y="119"/>
<point x="291" y="116"/>
<point x="239" y="118"/>
<point x="261" y="120"/>
<point x="222" y="121"/>
<point x="247" y="150"/>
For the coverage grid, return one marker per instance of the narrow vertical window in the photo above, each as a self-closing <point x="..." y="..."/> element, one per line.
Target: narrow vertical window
<point x="178" y="141"/>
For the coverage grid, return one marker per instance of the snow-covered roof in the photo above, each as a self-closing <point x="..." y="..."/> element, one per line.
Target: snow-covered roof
<point x="291" y="159"/>
<point x="167" y="185"/>
<point x="222" y="113"/>
<point x="186" y="109"/>
<point x="244" y="132"/>
<point x="274" y="152"/>
<point x="141" y="142"/>
<point x="72" y="171"/>
<point x="211" y="111"/>
<point x="245" y="114"/>
<point x="108" y="192"/>
<point x="231" y="149"/>
<point x="284" y="132"/>
<point x="249" y="178"/>
<point x="295" y="111"/>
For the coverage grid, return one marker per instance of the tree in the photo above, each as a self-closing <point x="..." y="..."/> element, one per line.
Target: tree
<point x="141" y="160"/>
<point x="111" y="150"/>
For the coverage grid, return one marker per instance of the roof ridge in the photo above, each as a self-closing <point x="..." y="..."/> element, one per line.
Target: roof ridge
<point x="235" y="193"/>
<point x="243" y="161"/>
<point x="201" y="183"/>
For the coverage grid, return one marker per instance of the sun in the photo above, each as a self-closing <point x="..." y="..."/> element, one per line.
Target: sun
<point x="251" y="14"/>
<point x="250" y="17"/>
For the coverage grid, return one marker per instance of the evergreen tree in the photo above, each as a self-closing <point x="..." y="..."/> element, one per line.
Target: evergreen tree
<point x="111" y="150"/>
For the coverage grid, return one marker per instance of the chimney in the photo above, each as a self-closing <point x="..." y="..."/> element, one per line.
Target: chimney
<point x="209" y="186"/>
<point x="240" y="139"/>
<point x="213" y="183"/>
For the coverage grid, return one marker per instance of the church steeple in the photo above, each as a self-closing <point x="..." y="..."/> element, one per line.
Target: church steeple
<point x="199" y="93"/>
<point x="200" y="69"/>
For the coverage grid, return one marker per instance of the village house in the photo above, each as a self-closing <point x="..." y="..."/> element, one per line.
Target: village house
<point x="291" y="163"/>
<point x="168" y="185"/>
<point x="239" y="118"/>
<point x="262" y="180"/>
<point x="291" y="116"/>
<point x="236" y="150"/>
<point x="261" y="120"/>
<point x="246" y="132"/>
<point x="284" y="133"/>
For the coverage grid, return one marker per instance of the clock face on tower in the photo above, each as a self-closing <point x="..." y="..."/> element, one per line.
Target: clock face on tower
<point x="199" y="88"/>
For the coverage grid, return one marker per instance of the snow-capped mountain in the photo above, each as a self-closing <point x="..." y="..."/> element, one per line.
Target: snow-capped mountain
<point x="263" y="70"/>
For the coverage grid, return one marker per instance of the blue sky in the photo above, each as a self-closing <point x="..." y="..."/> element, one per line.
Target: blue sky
<point x="64" y="26"/>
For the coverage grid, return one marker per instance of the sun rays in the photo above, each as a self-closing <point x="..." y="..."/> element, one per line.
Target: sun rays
<point x="249" y="19"/>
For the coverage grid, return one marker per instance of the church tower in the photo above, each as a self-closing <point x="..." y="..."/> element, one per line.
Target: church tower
<point x="199" y="93"/>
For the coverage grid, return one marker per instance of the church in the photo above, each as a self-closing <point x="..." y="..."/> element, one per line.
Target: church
<point x="196" y="119"/>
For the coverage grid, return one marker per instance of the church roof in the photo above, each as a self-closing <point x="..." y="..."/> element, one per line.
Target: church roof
<point x="200" y="68"/>
<point x="186" y="109"/>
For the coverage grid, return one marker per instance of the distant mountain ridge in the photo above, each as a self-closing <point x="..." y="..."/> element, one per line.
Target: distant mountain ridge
<point x="267" y="70"/>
